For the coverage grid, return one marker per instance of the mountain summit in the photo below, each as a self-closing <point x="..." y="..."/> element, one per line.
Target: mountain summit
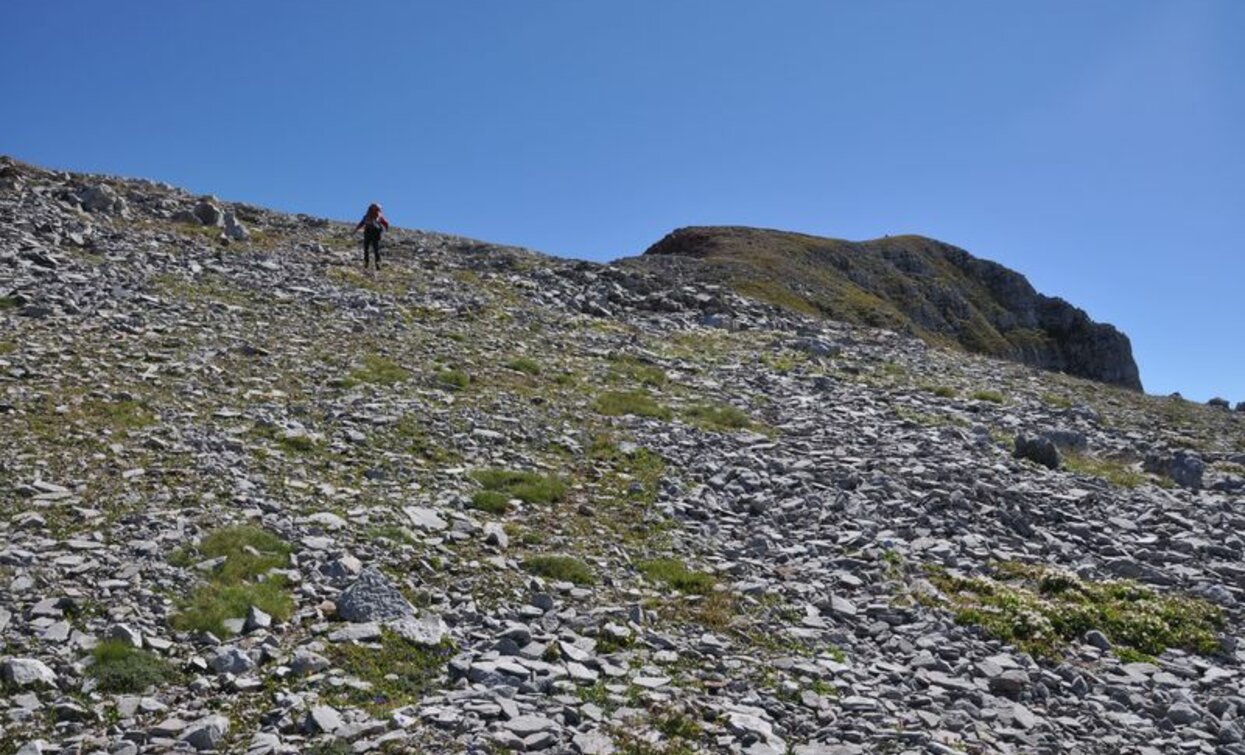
<point x="908" y="283"/>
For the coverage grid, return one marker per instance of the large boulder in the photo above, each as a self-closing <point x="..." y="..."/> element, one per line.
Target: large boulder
<point x="26" y="672"/>
<point x="208" y="212"/>
<point x="372" y="597"/>
<point x="1037" y="449"/>
<point x="102" y="198"/>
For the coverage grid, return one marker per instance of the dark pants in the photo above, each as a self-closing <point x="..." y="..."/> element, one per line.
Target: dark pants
<point x="371" y="241"/>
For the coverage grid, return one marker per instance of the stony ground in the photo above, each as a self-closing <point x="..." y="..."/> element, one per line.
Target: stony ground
<point x="256" y="499"/>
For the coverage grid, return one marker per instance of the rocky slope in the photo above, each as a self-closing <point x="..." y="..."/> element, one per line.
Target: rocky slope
<point x="255" y="500"/>
<point x="907" y="283"/>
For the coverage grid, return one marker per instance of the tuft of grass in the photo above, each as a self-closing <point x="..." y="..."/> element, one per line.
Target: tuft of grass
<point x="8" y="302"/>
<point x="676" y="574"/>
<point x="7" y="347"/>
<point x="454" y="380"/>
<point x="235" y="585"/>
<point x="492" y="501"/>
<point x="398" y="671"/>
<point x="639" y="403"/>
<point x="719" y="417"/>
<point x="941" y="391"/>
<point x="121" y="667"/>
<point x="376" y="370"/>
<point x="993" y="397"/>
<point x="1041" y="610"/>
<point x="560" y="568"/>
<point x="524" y="364"/>
<point x="529" y="487"/>
<point x="1113" y="471"/>
<point x="1056" y="401"/>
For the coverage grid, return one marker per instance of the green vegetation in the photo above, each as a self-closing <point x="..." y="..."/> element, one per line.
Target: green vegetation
<point x="121" y="667"/>
<point x="7" y="347"/>
<point x="676" y="574"/>
<point x="630" y="369"/>
<point x="993" y="397"/>
<point x="639" y="403"/>
<point x="238" y="582"/>
<point x="941" y="391"/>
<point x="454" y="380"/>
<point x="529" y="487"/>
<point x="524" y="364"/>
<point x="492" y="501"/>
<point x="1056" y="401"/>
<point x="560" y="568"/>
<point x="7" y="302"/>
<point x="1113" y="471"/>
<point x="376" y="370"/>
<point x="398" y="670"/>
<point x="1041" y="610"/>
<point x="719" y="417"/>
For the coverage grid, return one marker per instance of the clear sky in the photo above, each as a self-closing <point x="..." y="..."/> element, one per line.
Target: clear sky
<point x="1097" y="147"/>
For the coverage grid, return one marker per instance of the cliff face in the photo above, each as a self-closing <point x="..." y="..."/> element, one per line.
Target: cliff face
<point x="908" y="283"/>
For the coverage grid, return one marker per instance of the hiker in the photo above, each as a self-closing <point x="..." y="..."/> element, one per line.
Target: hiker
<point x="373" y="225"/>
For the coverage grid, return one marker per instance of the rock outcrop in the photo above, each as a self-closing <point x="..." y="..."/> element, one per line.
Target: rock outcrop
<point x="907" y="283"/>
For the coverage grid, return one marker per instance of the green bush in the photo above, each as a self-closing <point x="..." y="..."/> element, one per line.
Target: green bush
<point x="399" y="671"/>
<point x="121" y="667"/>
<point x="491" y="501"/>
<point x="993" y="397"/>
<point x="524" y="364"/>
<point x="233" y="586"/>
<point x="719" y="417"/>
<point x="528" y="487"/>
<point x="639" y="403"/>
<point x="676" y="574"/>
<point x="454" y="380"/>
<point x="560" y="568"/>
<point x="1041" y="610"/>
<point x="377" y="370"/>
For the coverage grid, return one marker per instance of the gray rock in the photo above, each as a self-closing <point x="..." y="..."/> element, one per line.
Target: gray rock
<point x="26" y="672"/>
<point x="322" y="719"/>
<point x="208" y="211"/>
<point x="495" y="534"/>
<point x="208" y="733"/>
<point x="372" y="597"/>
<point x="1038" y="450"/>
<point x="104" y="199"/>
<point x="234" y="228"/>
<point x="127" y="634"/>
<point x="307" y="662"/>
<point x="426" y="630"/>
<point x="1098" y="640"/>
<point x="231" y="660"/>
<point x="1183" y="714"/>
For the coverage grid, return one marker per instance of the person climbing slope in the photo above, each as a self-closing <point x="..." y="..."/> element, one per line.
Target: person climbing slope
<point x="373" y="225"/>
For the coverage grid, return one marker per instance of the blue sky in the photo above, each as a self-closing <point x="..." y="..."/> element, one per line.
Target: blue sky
<point x="1097" y="147"/>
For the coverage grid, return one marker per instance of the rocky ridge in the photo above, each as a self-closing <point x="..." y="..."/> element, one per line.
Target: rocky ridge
<point x="714" y="525"/>
<point x="907" y="283"/>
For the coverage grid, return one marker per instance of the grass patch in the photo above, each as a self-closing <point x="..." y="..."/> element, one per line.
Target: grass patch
<point x="376" y="370"/>
<point x="528" y="487"/>
<point x="454" y="380"/>
<point x="639" y="403"/>
<point x="1041" y="610"/>
<point x="399" y="671"/>
<point x="492" y="501"/>
<point x="628" y="368"/>
<point x="675" y="573"/>
<point x="941" y="391"/>
<point x="234" y="585"/>
<point x="1056" y="401"/>
<point x="7" y="347"/>
<point x="121" y="667"/>
<point x="524" y="364"/>
<point x="560" y="568"/>
<point x="8" y="302"/>
<point x="719" y="417"/>
<point x="1113" y="471"/>
<point x="994" y="397"/>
